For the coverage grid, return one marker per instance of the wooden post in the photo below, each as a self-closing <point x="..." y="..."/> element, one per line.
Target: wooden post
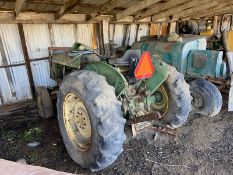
<point x="137" y="28"/>
<point x="99" y="27"/>
<point x="215" y="24"/>
<point x="106" y="40"/>
<point x="26" y="57"/>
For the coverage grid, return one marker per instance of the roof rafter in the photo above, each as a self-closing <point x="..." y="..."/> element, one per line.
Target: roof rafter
<point x="158" y="8"/>
<point x="219" y="10"/>
<point x="135" y="8"/>
<point x="177" y="9"/>
<point x="63" y="9"/>
<point x="18" y="6"/>
<point x="108" y="6"/>
<point x="197" y="9"/>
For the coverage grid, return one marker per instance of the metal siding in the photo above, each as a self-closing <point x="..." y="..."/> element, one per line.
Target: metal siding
<point x="118" y="36"/>
<point x="9" y="34"/>
<point x="21" y="88"/>
<point x="41" y="74"/>
<point x="62" y="35"/>
<point x="16" y="88"/>
<point x="111" y="31"/>
<point x="84" y="34"/>
<point x="143" y="31"/>
<point x="133" y="33"/>
<point x="38" y="40"/>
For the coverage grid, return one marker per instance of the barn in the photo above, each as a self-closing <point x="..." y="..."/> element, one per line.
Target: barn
<point x="195" y="37"/>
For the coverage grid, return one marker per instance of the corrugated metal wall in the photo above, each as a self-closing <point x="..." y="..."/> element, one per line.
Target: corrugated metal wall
<point x="118" y="31"/>
<point x="14" y="82"/>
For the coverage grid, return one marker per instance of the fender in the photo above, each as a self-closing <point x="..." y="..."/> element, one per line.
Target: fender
<point x="159" y="76"/>
<point x="112" y="75"/>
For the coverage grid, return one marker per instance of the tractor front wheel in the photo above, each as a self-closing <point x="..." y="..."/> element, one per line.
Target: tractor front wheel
<point x="90" y="120"/>
<point x="207" y="99"/>
<point x="43" y="102"/>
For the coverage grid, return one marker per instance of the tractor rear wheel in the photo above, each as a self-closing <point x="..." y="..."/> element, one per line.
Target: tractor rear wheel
<point x="179" y="98"/>
<point x="90" y="120"/>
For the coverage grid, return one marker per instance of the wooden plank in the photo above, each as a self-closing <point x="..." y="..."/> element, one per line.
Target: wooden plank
<point x="224" y="4"/>
<point x="26" y="57"/>
<point x="220" y="9"/>
<point x="177" y="9"/>
<point x="11" y="65"/>
<point x="18" y="6"/>
<point x="108" y="6"/>
<point x="135" y="8"/>
<point x="32" y="17"/>
<point x="159" y="8"/>
<point x="203" y="6"/>
<point x="67" y="4"/>
<point x="52" y="2"/>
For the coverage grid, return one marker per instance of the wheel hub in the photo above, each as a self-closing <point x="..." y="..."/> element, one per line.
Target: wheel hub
<point x="160" y="100"/>
<point x="77" y="122"/>
<point x="198" y="101"/>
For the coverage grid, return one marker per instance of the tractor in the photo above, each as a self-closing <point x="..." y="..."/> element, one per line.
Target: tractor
<point x="205" y="70"/>
<point x="97" y="96"/>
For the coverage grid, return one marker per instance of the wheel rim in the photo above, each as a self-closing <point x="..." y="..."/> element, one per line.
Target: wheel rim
<point x="198" y="101"/>
<point x="77" y="121"/>
<point x="160" y="102"/>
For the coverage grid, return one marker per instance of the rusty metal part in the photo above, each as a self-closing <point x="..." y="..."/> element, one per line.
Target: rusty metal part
<point x="147" y="117"/>
<point x="167" y="129"/>
<point x="59" y="48"/>
<point x="219" y="81"/>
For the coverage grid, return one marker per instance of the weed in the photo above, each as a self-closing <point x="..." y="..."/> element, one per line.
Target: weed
<point x="32" y="157"/>
<point x="8" y="135"/>
<point x="33" y="134"/>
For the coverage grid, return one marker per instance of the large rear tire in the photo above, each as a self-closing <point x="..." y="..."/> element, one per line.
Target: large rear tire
<point x="179" y="98"/>
<point x="97" y="141"/>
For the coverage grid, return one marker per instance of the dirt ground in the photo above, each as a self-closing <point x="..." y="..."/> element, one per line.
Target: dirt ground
<point x="203" y="146"/>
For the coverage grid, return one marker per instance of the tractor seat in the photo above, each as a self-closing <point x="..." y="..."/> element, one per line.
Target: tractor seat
<point x="125" y="60"/>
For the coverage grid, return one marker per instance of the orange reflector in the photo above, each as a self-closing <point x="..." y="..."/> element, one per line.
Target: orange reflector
<point x="145" y="67"/>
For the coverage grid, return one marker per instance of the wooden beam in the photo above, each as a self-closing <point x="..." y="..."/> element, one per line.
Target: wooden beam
<point x="26" y="57"/>
<point x="176" y="9"/>
<point x="32" y="17"/>
<point x="67" y="4"/>
<point x="49" y="2"/>
<point x="203" y="6"/>
<point x="108" y="6"/>
<point x="159" y="8"/>
<point x="211" y="10"/>
<point x="135" y="8"/>
<point x="222" y="8"/>
<point x="18" y="6"/>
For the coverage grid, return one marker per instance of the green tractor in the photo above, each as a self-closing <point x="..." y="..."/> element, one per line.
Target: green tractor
<point x="98" y="96"/>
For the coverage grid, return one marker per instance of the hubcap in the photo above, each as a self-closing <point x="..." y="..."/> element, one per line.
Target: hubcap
<point x="160" y="100"/>
<point x="77" y="122"/>
<point x="198" y="101"/>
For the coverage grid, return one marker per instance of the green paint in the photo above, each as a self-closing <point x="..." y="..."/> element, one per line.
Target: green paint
<point x="159" y="76"/>
<point x="112" y="75"/>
